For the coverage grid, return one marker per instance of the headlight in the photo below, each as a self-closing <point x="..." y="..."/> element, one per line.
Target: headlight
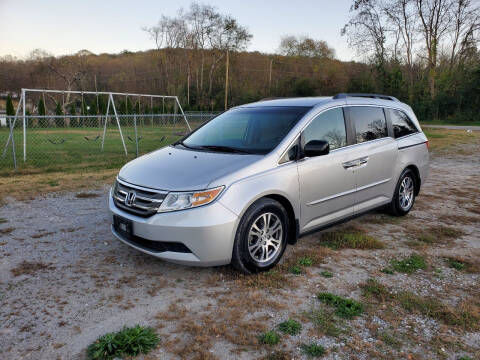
<point x="187" y="200"/>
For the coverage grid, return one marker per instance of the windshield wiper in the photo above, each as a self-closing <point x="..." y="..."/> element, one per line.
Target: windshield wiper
<point x="225" y="149"/>
<point x="180" y="142"/>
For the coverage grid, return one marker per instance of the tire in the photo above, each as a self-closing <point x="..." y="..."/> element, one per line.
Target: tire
<point x="404" y="195"/>
<point x="266" y="248"/>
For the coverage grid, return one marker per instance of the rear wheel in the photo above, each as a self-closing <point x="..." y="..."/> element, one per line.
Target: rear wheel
<point x="404" y="196"/>
<point x="261" y="237"/>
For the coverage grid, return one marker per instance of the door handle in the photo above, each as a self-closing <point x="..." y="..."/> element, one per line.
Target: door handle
<point x="355" y="163"/>
<point x="363" y="160"/>
<point x="350" y="164"/>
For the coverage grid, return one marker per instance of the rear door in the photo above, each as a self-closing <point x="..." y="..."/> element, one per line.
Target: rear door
<point x="327" y="187"/>
<point x="376" y="155"/>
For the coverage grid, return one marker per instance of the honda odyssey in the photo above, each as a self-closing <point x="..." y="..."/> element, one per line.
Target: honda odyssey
<point x="250" y="181"/>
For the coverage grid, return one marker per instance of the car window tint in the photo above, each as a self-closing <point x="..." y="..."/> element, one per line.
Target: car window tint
<point x="328" y="126"/>
<point x="401" y="123"/>
<point x="370" y="123"/>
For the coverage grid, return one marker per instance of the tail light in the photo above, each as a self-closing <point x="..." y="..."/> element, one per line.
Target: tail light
<point x="428" y="146"/>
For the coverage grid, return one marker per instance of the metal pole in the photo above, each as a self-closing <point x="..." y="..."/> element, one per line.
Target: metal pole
<point x="14" y="121"/>
<point x="13" y="145"/>
<point x="226" y="81"/>
<point x="136" y="136"/>
<point x="24" y="128"/>
<point x="118" y="123"/>
<point x="180" y="106"/>
<point x="105" y="125"/>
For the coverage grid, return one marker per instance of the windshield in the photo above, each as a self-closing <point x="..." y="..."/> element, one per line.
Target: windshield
<point x="256" y="130"/>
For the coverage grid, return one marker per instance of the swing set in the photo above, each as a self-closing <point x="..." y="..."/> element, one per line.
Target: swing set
<point x="102" y="118"/>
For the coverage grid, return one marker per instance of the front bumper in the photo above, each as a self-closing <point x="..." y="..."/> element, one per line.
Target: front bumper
<point x="207" y="231"/>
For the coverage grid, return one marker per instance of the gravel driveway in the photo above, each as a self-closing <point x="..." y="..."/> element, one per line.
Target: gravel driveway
<point x="65" y="281"/>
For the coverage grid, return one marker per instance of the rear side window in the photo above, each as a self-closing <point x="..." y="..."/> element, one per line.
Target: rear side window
<point x="401" y="123"/>
<point x="328" y="126"/>
<point x="370" y="123"/>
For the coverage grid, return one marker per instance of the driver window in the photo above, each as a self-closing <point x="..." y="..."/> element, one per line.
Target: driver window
<point x="328" y="126"/>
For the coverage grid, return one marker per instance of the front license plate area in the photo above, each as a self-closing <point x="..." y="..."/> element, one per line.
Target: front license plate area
<point x="123" y="226"/>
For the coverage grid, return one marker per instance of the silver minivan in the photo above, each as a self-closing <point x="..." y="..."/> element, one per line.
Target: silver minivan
<point x="257" y="177"/>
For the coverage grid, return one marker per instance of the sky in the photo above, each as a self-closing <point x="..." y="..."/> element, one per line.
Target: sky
<point x="111" y="26"/>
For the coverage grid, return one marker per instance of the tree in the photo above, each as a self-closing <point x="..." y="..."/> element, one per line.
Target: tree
<point x="73" y="120"/>
<point x="290" y="45"/>
<point x="59" y="112"/>
<point x="10" y="109"/>
<point x="367" y="30"/>
<point x="41" y="107"/>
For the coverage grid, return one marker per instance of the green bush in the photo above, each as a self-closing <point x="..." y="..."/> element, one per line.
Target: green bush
<point x="127" y="342"/>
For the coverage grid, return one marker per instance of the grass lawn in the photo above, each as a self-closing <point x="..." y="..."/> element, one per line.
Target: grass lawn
<point x="70" y="149"/>
<point x="440" y="122"/>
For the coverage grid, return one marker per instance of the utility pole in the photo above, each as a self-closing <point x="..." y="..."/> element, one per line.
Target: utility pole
<point x="270" y="77"/>
<point x="226" y="82"/>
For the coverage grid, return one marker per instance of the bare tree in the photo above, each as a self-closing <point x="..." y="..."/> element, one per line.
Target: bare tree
<point x="368" y="29"/>
<point x="466" y="26"/>
<point x="435" y="21"/>
<point x="401" y="13"/>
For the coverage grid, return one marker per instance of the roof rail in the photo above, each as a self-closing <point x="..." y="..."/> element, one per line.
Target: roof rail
<point x="366" y="95"/>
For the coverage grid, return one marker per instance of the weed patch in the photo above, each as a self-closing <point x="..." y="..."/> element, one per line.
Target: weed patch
<point x="312" y="350"/>
<point x="326" y="274"/>
<point x="277" y="355"/>
<point x="462" y="264"/>
<point x="438" y="235"/>
<point x="290" y="327"/>
<point x="465" y="315"/>
<point x="324" y="322"/>
<point x="295" y="269"/>
<point x="305" y="261"/>
<point x="407" y="265"/>
<point x="350" y="238"/>
<point x="269" y="338"/>
<point x="373" y="289"/>
<point x="345" y="308"/>
<point x="127" y="342"/>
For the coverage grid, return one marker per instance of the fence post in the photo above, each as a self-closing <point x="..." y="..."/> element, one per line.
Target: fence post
<point x="24" y="128"/>
<point x="136" y="137"/>
<point x="13" y="144"/>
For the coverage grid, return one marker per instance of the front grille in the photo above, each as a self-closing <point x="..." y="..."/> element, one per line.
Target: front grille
<point x="145" y="201"/>
<point x="153" y="246"/>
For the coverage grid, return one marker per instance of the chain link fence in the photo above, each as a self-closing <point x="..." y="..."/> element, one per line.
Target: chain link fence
<point x="61" y="143"/>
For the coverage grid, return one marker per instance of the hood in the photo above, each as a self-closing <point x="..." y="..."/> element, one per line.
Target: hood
<point x="176" y="169"/>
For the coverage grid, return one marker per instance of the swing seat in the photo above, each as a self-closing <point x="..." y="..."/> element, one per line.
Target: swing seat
<point x="61" y="141"/>
<point x="94" y="139"/>
<point x="162" y="138"/>
<point x="132" y="140"/>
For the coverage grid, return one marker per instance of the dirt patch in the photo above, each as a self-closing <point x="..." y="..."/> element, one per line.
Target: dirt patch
<point x="85" y="195"/>
<point x="29" y="268"/>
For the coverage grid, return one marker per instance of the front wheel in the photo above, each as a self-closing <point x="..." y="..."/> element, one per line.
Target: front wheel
<point x="261" y="237"/>
<point x="404" y="196"/>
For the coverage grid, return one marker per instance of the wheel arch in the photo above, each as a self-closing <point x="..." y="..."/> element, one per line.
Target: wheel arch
<point x="418" y="180"/>
<point x="292" y="220"/>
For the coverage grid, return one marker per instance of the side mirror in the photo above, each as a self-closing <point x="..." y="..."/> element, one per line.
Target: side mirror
<point x="316" y="148"/>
